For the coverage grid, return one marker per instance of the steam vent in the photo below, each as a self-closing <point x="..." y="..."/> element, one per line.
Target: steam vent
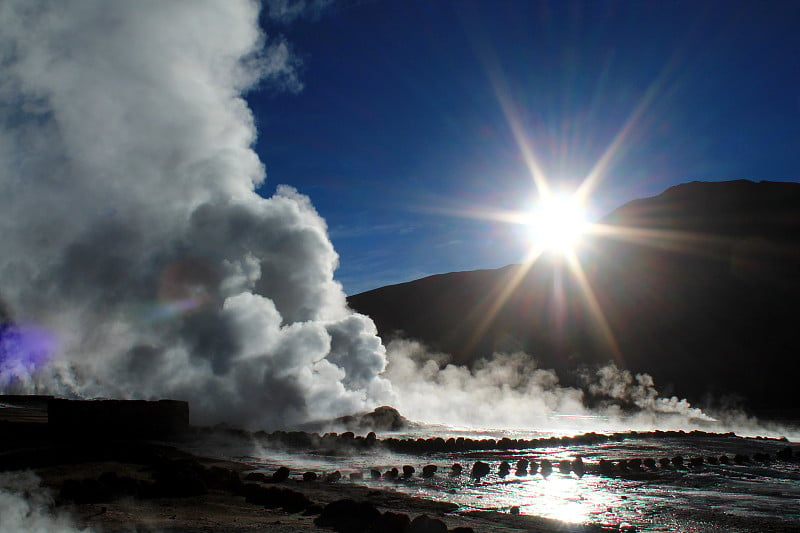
<point x="99" y="418"/>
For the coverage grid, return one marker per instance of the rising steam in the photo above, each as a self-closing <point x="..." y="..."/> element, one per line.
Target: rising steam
<point x="510" y="391"/>
<point x="26" y="506"/>
<point x="136" y="260"/>
<point x="131" y="234"/>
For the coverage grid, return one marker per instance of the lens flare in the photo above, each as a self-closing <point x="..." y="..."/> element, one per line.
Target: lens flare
<point x="184" y="286"/>
<point x="24" y="349"/>
<point x="557" y="223"/>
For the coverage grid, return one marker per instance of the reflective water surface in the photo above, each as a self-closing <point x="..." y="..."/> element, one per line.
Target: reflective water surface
<point x="705" y="497"/>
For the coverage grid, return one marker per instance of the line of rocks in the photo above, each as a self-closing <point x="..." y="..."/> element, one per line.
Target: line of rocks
<point x="545" y="467"/>
<point x="678" y="462"/>
<point x="349" y="440"/>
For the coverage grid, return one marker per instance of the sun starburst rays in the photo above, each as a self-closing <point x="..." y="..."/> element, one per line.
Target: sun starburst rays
<point x="548" y="236"/>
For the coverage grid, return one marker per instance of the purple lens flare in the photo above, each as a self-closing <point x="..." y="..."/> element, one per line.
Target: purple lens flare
<point x="24" y="349"/>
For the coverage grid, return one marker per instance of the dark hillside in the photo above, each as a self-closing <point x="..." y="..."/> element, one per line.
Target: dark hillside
<point x="699" y="286"/>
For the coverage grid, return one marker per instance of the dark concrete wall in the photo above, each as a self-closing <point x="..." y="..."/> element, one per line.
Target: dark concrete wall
<point x="31" y="401"/>
<point x="118" y="418"/>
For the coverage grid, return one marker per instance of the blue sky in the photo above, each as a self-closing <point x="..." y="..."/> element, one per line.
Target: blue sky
<point x="406" y="113"/>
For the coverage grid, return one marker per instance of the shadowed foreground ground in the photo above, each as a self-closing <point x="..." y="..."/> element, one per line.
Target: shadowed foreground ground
<point x="139" y="486"/>
<point x="97" y="470"/>
<point x="128" y="485"/>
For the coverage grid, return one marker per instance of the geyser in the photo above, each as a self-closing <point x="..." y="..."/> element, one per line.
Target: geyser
<point x="131" y="231"/>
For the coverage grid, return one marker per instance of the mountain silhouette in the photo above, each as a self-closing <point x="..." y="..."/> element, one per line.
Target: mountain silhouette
<point x="698" y="287"/>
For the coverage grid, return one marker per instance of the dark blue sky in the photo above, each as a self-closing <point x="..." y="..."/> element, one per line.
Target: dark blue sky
<point x="400" y="118"/>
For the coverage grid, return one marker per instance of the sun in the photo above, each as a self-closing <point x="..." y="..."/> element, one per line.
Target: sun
<point x="557" y="223"/>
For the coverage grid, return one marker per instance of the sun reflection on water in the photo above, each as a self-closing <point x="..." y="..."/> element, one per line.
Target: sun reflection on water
<point x="562" y="497"/>
<point x="557" y="497"/>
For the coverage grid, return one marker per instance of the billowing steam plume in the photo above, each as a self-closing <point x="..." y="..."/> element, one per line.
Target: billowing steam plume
<point x="135" y="258"/>
<point x="509" y="391"/>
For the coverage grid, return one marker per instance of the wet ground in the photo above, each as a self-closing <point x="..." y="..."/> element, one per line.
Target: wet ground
<point x="759" y="492"/>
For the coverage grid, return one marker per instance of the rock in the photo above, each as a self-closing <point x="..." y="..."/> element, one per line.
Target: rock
<point x="289" y="500"/>
<point x="280" y="475"/>
<point x="564" y="466"/>
<point x="546" y="468"/>
<point x="479" y="469"/>
<point x="784" y="454"/>
<point x="428" y="471"/>
<point x="677" y="461"/>
<point x="578" y="467"/>
<point x="348" y="516"/>
<point x="295" y="502"/>
<point x="313" y="509"/>
<point x="347" y="438"/>
<point x="257" y="476"/>
<point x="650" y="463"/>
<point x="712" y="460"/>
<point x="723" y="460"/>
<point x="375" y="474"/>
<point x="741" y="459"/>
<point x="504" y="469"/>
<point x="392" y="473"/>
<point x="333" y="477"/>
<point x="514" y="510"/>
<point x="356" y="476"/>
<point x="456" y="469"/>
<point x="425" y="524"/>
<point x="664" y="462"/>
<point x="408" y="471"/>
<point x="522" y="468"/>
<point x="696" y="462"/>
<point x="606" y="467"/>
<point x="255" y="493"/>
<point x="310" y="476"/>
<point x="533" y="467"/>
<point x="462" y="529"/>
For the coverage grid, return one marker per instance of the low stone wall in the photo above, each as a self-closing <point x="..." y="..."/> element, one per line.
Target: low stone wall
<point x="118" y="418"/>
<point x="25" y="401"/>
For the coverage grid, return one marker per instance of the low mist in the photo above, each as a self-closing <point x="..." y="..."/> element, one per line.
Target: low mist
<point x="26" y="506"/>
<point x="510" y="391"/>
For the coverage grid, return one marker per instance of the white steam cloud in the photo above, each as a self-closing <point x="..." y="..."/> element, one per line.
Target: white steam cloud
<point x="137" y="261"/>
<point x="509" y="391"/>
<point x="26" y="506"/>
<point x="131" y="233"/>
